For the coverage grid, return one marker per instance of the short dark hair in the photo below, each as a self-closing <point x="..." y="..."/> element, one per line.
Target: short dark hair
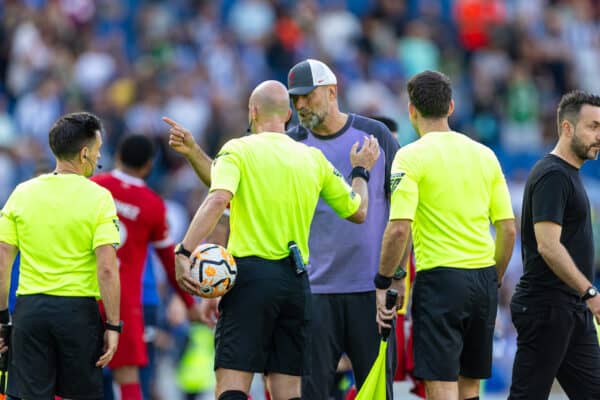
<point x="135" y="151"/>
<point x="72" y="132"/>
<point x="431" y="93"/>
<point x="570" y="106"/>
<point x="388" y="122"/>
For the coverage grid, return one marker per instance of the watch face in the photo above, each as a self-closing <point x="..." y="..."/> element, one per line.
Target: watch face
<point x="400" y="274"/>
<point x="592" y="291"/>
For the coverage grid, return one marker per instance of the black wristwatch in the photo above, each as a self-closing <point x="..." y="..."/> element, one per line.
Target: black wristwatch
<point x="399" y="274"/>
<point x="111" y="327"/>
<point x="589" y="293"/>
<point x="179" y="249"/>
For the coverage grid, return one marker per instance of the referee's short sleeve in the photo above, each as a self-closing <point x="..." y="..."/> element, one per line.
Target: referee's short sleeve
<point x="8" y="226"/>
<point x="107" y="224"/>
<point x="335" y="191"/>
<point x="225" y="172"/>
<point x="404" y="186"/>
<point x="500" y="203"/>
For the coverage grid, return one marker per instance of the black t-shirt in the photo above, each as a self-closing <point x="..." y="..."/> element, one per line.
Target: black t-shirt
<point x="554" y="192"/>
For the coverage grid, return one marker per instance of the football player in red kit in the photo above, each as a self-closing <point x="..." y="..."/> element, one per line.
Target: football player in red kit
<point x="143" y="221"/>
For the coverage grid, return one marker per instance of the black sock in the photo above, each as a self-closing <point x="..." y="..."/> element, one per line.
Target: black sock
<point x="233" y="395"/>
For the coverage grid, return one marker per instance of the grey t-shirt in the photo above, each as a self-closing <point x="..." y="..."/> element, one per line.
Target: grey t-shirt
<point x="344" y="256"/>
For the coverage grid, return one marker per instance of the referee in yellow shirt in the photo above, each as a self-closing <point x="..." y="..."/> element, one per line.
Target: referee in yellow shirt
<point x="273" y="184"/>
<point x="446" y="189"/>
<point x="65" y="228"/>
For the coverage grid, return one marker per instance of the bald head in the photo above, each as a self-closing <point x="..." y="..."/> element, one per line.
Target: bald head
<point x="271" y="102"/>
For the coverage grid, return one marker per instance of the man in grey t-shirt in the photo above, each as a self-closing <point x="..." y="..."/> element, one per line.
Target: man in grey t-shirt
<point x="344" y="258"/>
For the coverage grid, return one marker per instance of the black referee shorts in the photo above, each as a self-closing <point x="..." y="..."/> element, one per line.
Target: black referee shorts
<point x="55" y="344"/>
<point x="454" y="313"/>
<point x="263" y="322"/>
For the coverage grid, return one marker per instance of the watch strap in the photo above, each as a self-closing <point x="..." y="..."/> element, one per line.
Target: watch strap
<point x="111" y="327"/>
<point x="589" y="293"/>
<point x="179" y="249"/>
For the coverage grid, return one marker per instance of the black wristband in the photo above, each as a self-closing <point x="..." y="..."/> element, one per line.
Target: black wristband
<point x="360" y="172"/>
<point x="117" y="328"/>
<point x="4" y="316"/>
<point x="382" y="282"/>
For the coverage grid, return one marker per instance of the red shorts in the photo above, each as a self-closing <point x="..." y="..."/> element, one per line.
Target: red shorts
<point x="132" y="348"/>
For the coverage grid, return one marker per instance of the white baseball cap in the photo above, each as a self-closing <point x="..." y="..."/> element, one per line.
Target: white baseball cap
<point x="305" y="76"/>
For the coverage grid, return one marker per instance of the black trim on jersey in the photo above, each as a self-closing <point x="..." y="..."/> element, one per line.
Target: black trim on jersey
<point x="386" y="140"/>
<point x="348" y="124"/>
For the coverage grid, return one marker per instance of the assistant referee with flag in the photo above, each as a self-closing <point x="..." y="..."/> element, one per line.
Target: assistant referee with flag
<point x="446" y="188"/>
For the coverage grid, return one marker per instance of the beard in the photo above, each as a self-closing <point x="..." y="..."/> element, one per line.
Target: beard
<point x="582" y="150"/>
<point x="312" y="120"/>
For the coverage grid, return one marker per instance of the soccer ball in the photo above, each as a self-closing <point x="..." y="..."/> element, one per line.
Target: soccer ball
<point x="214" y="268"/>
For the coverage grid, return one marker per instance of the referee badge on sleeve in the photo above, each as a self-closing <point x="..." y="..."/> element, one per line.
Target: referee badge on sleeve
<point x="395" y="180"/>
<point x="223" y="154"/>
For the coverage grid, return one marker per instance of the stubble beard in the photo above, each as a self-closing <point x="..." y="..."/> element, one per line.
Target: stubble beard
<point x="581" y="150"/>
<point x="312" y="121"/>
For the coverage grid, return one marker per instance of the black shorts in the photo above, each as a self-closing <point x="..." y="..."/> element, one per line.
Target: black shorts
<point x="555" y="340"/>
<point x="263" y="322"/>
<point x="55" y="344"/>
<point x="345" y="323"/>
<point x="454" y="312"/>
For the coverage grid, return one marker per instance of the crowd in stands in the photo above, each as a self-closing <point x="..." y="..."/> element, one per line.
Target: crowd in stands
<point x="133" y="61"/>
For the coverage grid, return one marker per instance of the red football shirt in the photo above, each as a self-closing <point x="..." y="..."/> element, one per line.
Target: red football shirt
<point x="143" y="220"/>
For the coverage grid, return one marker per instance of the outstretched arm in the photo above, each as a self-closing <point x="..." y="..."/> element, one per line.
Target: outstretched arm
<point x="182" y="141"/>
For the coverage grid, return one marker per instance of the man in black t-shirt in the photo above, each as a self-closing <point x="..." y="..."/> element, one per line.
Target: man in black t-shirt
<point x="555" y="301"/>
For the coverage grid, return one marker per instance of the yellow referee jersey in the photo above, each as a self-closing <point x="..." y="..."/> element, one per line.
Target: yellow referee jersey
<point x="451" y="187"/>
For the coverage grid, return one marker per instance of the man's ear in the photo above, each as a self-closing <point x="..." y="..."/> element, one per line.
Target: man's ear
<point x="412" y="110"/>
<point x="567" y="128"/>
<point x="83" y="153"/>
<point x="450" y="108"/>
<point x="332" y="92"/>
